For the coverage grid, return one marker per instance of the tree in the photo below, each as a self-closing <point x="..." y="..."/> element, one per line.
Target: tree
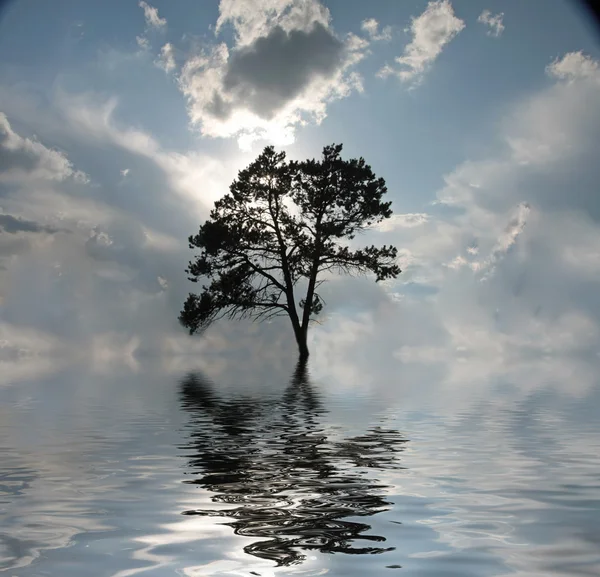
<point x="284" y="223"/>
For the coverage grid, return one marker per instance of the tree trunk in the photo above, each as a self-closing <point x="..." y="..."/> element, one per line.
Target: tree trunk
<point x="299" y="331"/>
<point x="310" y="293"/>
<point x="302" y="344"/>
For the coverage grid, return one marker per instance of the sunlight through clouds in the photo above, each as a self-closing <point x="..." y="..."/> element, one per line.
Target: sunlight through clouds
<point x="235" y="91"/>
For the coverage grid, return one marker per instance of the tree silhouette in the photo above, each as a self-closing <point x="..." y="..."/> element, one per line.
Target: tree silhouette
<point x="281" y="224"/>
<point x="283" y="479"/>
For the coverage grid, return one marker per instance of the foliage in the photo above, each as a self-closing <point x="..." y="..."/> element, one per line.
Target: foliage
<point x="282" y="223"/>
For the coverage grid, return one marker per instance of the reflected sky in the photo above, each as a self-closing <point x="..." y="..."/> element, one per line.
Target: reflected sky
<point x="287" y="480"/>
<point x="153" y="473"/>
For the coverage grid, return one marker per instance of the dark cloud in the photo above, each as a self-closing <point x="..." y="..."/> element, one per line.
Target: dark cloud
<point x="283" y="68"/>
<point x="13" y="225"/>
<point x="219" y="107"/>
<point x="276" y="68"/>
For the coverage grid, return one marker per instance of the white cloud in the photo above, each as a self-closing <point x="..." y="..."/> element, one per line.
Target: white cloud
<point x="26" y="158"/>
<point x="555" y="127"/>
<point x="408" y="220"/>
<point x="474" y="354"/>
<point x="493" y="22"/>
<point x="506" y="240"/>
<point x="283" y="70"/>
<point x="253" y="19"/>
<point x="530" y="230"/>
<point x="142" y="42"/>
<point x="371" y="27"/>
<point x="458" y="262"/>
<point x="431" y="32"/>
<point x="166" y="58"/>
<point x="198" y="179"/>
<point x="574" y="65"/>
<point x="120" y="271"/>
<point x="153" y="20"/>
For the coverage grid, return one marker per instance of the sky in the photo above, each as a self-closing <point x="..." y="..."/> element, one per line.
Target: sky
<point x="121" y="122"/>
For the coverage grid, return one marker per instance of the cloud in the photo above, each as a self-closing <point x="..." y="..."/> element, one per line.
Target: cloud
<point x="285" y="67"/>
<point x="153" y="20"/>
<point x="13" y="225"/>
<point x="276" y="68"/>
<point x="253" y="19"/>
<point x="574" y="65"/>
<point x="25" y="158"/>
<point x="371" y="27"/>
<point x="12" y="245"/>
<point x="508" y="238"/>
<point x="117" y="281"/>
<point x="493" y="22"/>
<point x="403" y="221"/>
<point x="511" y="250"/>
<point x="195" y="179"/>
<point x="556" y="133"/>
<point x="503" y="244"/>
<point x="166" y="58"/>
<point x="142" y="42"/>
<point x="431" y="32"/>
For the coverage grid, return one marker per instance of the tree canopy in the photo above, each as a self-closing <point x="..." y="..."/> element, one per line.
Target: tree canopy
<point x="282" y="224"/>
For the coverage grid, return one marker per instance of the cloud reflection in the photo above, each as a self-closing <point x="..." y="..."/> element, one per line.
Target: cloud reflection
<point x="280" y="476"/>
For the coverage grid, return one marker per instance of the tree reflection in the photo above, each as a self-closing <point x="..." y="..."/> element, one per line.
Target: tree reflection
<point x="281" y="475"/>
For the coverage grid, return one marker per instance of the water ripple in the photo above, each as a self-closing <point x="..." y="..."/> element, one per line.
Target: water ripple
<point x="294" y="484"/>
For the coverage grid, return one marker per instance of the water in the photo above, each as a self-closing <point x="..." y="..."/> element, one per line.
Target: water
<point x="152" y="472"/>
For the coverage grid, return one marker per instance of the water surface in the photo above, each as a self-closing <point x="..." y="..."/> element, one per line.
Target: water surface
<point x="149" y="472"/>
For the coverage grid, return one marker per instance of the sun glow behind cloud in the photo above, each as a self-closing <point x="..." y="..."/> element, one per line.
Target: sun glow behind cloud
<point x="285" y="67"/>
